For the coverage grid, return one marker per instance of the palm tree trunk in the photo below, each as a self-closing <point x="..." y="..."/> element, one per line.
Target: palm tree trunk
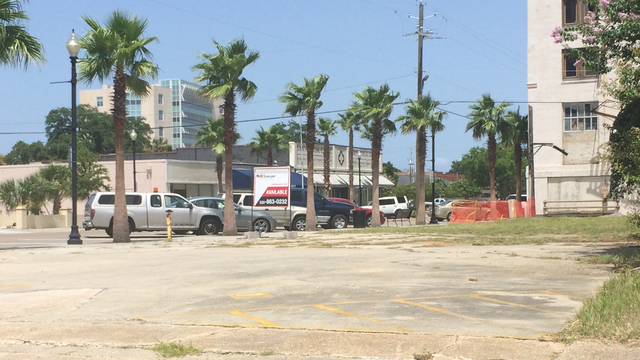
<point x="56" y="206"/>
<point x="376" y="147"/>
<point x="269" y="157"/>
<point x="325" y="154"/>
<point x="229" y="227"/>
<point x="491" y="158"/>
<point x="311" y="140"/>
<point x="517" y="153"/>
<point x="120" y="218"/>
<point x="421" y="154"/>
<point x="219" y="171"/>
<point x="350" y="153"/>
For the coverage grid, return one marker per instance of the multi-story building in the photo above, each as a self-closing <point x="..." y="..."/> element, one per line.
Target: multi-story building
<point x="173" y="109"/>
<point x="570" y="111"/>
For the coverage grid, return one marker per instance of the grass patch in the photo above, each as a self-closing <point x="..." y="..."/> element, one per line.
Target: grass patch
<point x="538" y="230"/>
<point x="175" y="350"/>
<point x="613" y="313"/>
<point x="425" y="356"/>
<point x="626" y="260"/>
<point x="267" y="353"/>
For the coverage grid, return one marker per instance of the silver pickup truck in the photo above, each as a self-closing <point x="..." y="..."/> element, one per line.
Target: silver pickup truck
<point x="148" y="212"/>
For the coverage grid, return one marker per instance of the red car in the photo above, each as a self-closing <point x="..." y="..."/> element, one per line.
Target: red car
<point x="356" y="207"/>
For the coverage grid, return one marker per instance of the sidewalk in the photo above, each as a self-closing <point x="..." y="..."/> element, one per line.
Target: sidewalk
<point x="128" y="341"/>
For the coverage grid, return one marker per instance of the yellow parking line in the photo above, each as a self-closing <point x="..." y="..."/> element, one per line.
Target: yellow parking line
<point x="346" y="313"/>
<point x="442" y="311"/>
<point x="253" y="318"/>
<point x="551" y="292"/>
<point x="480" y="297"/>
<point x="13" y="286"/>
<point x="291" y="327"/>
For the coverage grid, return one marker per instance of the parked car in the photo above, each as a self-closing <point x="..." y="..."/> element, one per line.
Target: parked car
<point x="356" y="207"/>
<point x="284" y="216"/>
<point x="389" y="205"/>
<point x="330" y="214"/>
<point x="437" y="201"/>
<point x="148" y="212"/>
<point x="261" y="220"/>
<point x="443" y="211"/>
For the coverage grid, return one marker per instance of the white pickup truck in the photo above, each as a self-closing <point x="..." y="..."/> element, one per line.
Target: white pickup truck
<point x="389" y="205"/>
<point x="437" y="201"/>
<point x="148" y="212"/>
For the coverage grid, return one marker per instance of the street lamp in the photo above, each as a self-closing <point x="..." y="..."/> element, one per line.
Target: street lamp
<point x="133" y="138"/>
<point x="73" y="46"/>
<point x="359" y="178"/>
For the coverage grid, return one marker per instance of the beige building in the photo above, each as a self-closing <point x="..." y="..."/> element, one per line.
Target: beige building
<point x="569" y="111"/>
<point x="173" y="109"/>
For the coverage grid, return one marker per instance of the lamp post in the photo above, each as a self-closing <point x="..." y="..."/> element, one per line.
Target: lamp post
<point x="73" y="46"/>
<point x="133" y="139"/>
<point x="359" y="179"/>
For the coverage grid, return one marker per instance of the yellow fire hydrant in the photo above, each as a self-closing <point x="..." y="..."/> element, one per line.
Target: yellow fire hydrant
<point x="169" y="230"/>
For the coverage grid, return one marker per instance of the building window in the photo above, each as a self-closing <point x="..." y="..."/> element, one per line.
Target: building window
<point x="221" y="109"/>
<point x="160" y="99"/>
<point x="160" y="115"/>
<point x="99" y="101"/>
<point x="161" y="131"/>
<point x="573" y="71"/>
<point x="574" y="11"/>
<point x="578" y="117"/>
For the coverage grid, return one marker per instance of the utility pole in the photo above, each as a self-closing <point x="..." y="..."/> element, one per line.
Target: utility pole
<point x="421" y="134"/>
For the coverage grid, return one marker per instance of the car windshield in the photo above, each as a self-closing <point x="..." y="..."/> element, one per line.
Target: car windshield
<point x="446" y="202"/>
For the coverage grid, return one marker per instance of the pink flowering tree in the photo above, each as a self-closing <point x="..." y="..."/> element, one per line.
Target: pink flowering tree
<point x="611" y="39"/>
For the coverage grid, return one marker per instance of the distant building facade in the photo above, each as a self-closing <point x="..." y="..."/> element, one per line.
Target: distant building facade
<point x="173" y="109"/>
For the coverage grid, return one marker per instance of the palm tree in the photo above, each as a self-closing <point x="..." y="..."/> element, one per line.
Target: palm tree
<point x="212" y="135"/>
<point x="159" y="145"/>
<point x="58" y="179"/>
<point x="350" y="121"/>
<point x="274" y="138"/>
<point x="486" y="119"/>
<point x="515" y="132"/>
<point x="119" y="49"/>
<point x="421" y="115"/>
<point x="376" y="107"/>
<point x="17" y="46"/>
<point x="305" y="99"/>
<point x="222" y="75"/>
<point x="326" y="128"/>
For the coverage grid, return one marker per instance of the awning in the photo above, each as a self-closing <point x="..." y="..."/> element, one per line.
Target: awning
<point x="342" y="180"/>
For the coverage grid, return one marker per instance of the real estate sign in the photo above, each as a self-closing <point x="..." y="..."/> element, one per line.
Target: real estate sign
<point x="271" y="186"/>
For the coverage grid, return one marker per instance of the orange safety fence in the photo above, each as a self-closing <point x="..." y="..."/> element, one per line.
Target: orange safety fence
<point x="465" y="211"/>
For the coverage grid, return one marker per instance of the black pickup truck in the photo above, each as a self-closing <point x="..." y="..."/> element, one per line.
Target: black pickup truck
<point x="330" y="214"/>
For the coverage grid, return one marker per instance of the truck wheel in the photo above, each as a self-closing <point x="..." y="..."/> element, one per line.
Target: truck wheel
<point x="300" y="223"/>
<point x="261" y="226"/>
<point x="339" y="222"/>
<point x="109" y="230"/>
<point x="209" y="227"/>
<point x="369" y="221"/>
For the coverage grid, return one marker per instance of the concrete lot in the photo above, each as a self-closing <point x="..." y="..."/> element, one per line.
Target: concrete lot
<point x="290" y="296"/>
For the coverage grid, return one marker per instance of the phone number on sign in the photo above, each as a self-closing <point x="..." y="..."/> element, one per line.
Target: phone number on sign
<point x="274" y="202"/>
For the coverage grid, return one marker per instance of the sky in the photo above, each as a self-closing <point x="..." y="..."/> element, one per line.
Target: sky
<point x="478" y="47"/>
